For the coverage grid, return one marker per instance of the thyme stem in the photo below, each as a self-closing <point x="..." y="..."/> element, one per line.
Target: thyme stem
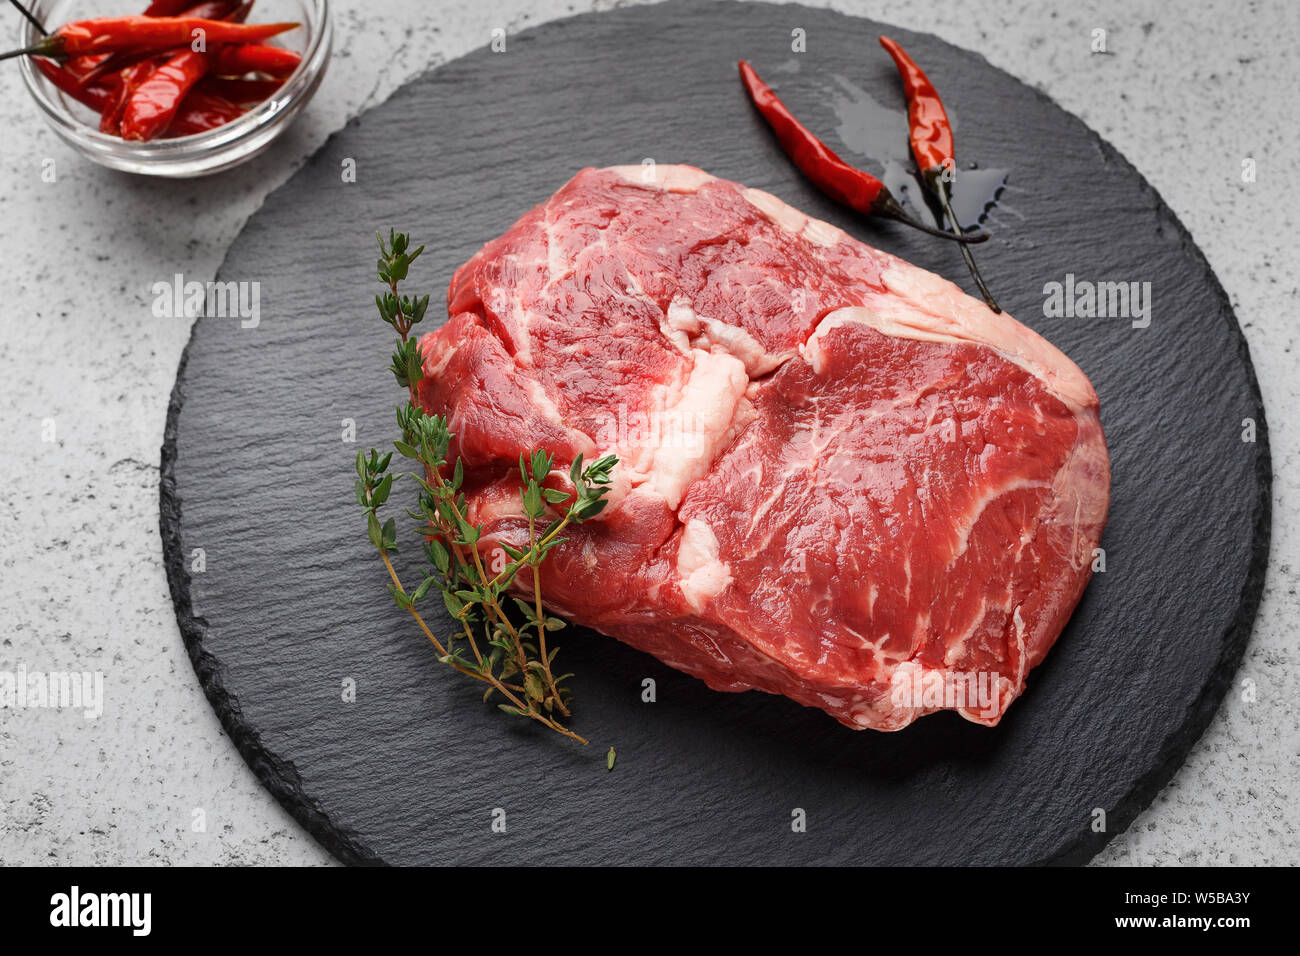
<point x="551" y="689"/>
<point x="452" y="544"/>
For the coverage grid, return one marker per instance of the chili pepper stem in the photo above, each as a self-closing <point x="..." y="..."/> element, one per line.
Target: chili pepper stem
<point x="940" y="187"/>
<point x="38" y="49"/>
<point x="890" y="209"/>
<point x="31" y="18"/>
<point x="844" y="183"/>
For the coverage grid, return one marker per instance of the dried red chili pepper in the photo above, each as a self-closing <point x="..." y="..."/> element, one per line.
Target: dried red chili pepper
<point x="154" y="103"/>
<point x="211" y="10"/>
<point x="842" y="182"/>
<point x="144" y="34"/>
<point x="930" y="134"/>
<point x="142" y="120"/>
<point x="202" y="111"/>
<point x="928" y="126"/>
<point x="255" y="58"/>
<point x="109" y="63"/>
<point x="239" y="91"/>
<point x="82" y="67"/>
<point x="166" y="8"/>
<point x="96" y="97"/>
<point x="110" y="121"/>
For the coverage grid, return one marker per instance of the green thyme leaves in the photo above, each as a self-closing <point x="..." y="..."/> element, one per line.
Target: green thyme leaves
<point x="502" y="640"/>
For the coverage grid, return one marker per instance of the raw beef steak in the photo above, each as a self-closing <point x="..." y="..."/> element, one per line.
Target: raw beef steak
<point x="841" y="479"/>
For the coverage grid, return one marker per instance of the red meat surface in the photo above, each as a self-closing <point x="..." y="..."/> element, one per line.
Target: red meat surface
<point x="841" y="478"/>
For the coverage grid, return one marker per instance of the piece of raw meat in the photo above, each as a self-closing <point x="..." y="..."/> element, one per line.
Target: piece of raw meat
<point x="841" y="478"/>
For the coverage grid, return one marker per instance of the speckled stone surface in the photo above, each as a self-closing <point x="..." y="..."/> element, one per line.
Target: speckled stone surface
<point x="81" y="578"/>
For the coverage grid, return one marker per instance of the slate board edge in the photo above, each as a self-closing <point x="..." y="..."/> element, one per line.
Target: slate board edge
<point x="1173" y="752"/>
<point x="281" y="778"/>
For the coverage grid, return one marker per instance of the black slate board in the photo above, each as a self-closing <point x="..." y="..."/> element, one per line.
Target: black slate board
<point x="291" y="602"/>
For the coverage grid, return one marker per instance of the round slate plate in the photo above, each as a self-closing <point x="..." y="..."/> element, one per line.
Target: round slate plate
<point x="290" y="607"/>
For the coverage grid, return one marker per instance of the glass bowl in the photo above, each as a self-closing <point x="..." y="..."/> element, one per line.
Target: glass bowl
<point x="201" y="153"/>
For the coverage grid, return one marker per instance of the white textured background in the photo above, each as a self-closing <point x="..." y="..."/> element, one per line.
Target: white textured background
<point x="1186" y="94"/>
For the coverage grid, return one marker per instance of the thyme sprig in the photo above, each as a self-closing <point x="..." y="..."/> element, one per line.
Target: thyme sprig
<point x="507" y="652"/>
